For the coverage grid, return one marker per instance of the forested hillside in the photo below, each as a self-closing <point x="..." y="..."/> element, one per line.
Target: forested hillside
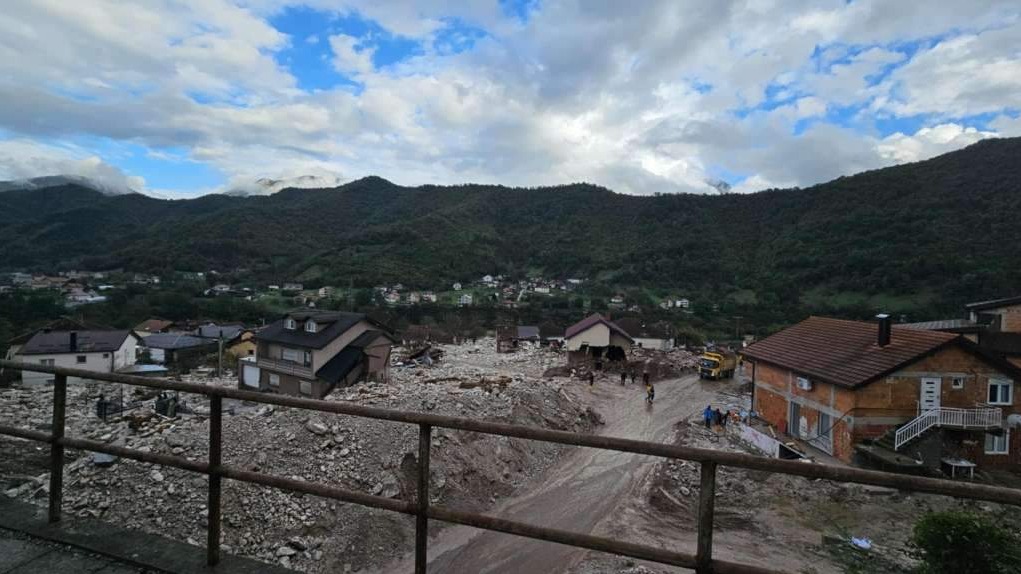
<point x="938" y="232"/>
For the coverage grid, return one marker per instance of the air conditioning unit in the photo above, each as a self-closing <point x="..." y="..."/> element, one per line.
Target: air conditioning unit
<point x="804" y="384"/>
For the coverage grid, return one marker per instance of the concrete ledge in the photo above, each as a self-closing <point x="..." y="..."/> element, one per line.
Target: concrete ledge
<point x="132" y="547"/>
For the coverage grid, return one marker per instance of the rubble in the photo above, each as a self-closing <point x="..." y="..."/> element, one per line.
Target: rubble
<point x="468" y="471"/>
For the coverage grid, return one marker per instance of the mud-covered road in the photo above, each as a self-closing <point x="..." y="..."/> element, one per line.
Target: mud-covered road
<point x="581" y="491"/>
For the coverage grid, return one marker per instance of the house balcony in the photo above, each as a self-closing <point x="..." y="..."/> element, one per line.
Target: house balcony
<point x="981" y="418"/>
<point x="285" y="368"/>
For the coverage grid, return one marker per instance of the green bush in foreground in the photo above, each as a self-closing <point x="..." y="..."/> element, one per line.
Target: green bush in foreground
<point x="959" y="542"/>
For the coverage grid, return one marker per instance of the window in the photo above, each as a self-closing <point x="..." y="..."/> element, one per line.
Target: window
<point x="251" y="352"/>
<point x="1001" y="392"/>
<point x="998" y="443"/>
<point x="47" y="362"/>
<point x="958" y="383"/>
<point x="825" y="426"/>
<point x="290" y="324"/>
<point x="292" y="355"/>
<point x="81" y="359"/>
<point x="106" y="355"/>
<point x="310" y="326"/>
<point x="794" y="420"/>
<point x="306" y="387"/>
<point x="274" y="380"/>
<point x="307" y="358"/>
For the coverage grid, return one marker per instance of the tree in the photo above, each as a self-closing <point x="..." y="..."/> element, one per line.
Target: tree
<point x="952" y="542"/>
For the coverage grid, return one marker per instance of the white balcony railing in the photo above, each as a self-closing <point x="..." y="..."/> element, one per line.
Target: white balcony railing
<point x="984" y="418"/>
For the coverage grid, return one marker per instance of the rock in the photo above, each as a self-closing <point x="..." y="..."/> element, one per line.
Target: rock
<point x="103" y="460"/>
<point x="156" y="476"/>
<point x="345" y="451"/>
<point x="297" y="543"/>
<point x="286" y="551"/>
<point x="316" y="428"/>
<point x="175" y="440"/>
<point x="377" y="489"/>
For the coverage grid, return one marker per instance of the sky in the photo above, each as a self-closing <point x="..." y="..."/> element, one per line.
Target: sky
<point x="178" y="98"/>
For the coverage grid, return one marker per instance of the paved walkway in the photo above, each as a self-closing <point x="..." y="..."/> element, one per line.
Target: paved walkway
<point x="20" y="554"/>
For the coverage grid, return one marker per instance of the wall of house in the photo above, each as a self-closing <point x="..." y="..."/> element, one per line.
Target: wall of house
<point x="378" y="359"/>
<point x="322" y="356"/>
<point x="597" y="335"/>
<point x="1010" y="317"/>
<point x="291" y="385"/>
<point x="97" y="362"/>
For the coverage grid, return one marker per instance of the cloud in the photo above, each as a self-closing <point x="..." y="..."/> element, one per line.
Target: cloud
<point x="349" y="55"/>
<point x="655" y="98"/>
<point x="24" y="159"/>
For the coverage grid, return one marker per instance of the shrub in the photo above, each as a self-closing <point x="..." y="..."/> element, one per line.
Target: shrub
<point x="957" y="542"/>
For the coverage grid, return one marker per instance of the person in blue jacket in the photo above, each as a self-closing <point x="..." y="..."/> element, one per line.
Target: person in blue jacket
<point x="707" y="414"/>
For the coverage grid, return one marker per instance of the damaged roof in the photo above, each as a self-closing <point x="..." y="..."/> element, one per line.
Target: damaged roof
<point x="845" y="353"/>
<point x="59" y="342"/>
<point x="591" y="321"/>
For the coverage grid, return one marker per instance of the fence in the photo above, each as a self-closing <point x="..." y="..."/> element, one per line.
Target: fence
<point x="702" y="561"/>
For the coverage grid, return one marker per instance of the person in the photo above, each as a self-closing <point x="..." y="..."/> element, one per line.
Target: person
<point x="719" y="417"/>
<point x="633" y="376"/>
<point x="707" y="414"/>
<point x="650" y="392"/>
<point x="645" y="377"/>
<point x="623" y="378"/>
<point x="591" y="378"/>
<point x="723" y="419"/>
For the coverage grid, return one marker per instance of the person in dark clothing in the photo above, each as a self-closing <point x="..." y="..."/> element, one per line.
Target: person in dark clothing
<point x="724" y="417"/>
<point x="718" y="416"/>
<point x="623" y="378"/>
<point x="707" y="414"/>
<point x="633" y="377"/>
<point x="645" y="378"/>
<point x="591" y="378"/>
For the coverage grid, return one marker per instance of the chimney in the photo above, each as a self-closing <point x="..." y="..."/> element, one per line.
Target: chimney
<point x="884" y="329"/>
<point x="73" y="340"/>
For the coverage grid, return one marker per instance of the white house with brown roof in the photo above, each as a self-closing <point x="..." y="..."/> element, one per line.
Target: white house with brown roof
<point x="99" y="351"/>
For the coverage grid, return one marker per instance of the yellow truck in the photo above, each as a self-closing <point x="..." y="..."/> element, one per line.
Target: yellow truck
<point x="717" y="364"/>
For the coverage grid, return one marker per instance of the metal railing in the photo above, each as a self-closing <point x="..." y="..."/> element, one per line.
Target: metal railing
<point x="286" y="367"/>
<point x="981" y="418"/>
<point x="702" y="561"/>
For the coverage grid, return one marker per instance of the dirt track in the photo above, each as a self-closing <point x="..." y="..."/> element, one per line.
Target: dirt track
<point x="582" y="491"/>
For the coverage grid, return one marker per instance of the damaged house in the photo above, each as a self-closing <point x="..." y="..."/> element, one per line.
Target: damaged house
<point x="596" y="338"/>
<point x="897" y="397"/>
<point x="309" y="353"/>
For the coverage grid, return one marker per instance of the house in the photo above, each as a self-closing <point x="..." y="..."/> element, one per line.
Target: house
<point x="651" y="336"/>
<point x="309" y="353"/>
<point x="901" y="397"/>
<point x="465" y="300"/>
<point x="292" y="287"/>
<point x="243" y="345"/>
<point x="596" y="337"/>
<point x="414" y="298"/>
<point x="151" y="326"/>
<point x="325" y="292"/>
<point x="101" y="351"/>
<point x="78" y="297"/>
<point x="542" y="290"/>
<point x="1002" y="315"/>
<point x="457" y="286"/>
<point x="181" y="350"/>
<point x="392" y="297"/>
<point x="64" y="323"/>
<point x="682" y="303"/>
<point x="428" y="297"/>
<point x="226" y="332"/>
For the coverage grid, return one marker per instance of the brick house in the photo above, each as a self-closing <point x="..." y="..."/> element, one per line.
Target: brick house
<point x="310" y="353"/>
<point x="848" y="387"/>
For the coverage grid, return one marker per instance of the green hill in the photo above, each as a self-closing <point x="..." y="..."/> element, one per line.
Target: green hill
<point x="928" y="235"/>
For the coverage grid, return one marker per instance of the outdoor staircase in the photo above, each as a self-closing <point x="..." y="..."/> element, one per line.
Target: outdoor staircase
<point x="944" y="417"/>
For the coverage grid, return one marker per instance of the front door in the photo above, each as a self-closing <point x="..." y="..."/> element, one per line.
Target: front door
<point x="929" y="399"/>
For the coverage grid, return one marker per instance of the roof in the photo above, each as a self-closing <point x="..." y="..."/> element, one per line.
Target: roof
<point x="332" y="324"/>
<point x="153" y="325"/>
<point x="368" y="337"/>
<point x="993" y="303"/>
<point x="213" y="331"/>
<point x="527" y="332"/>
<point x="943" y="325"/>
<point x="591" y="321"/>
<point x="172" y="341"/>
<point x="59" y="342"/>
<point x="340" y="365"/>
<point x="846" y="353"/>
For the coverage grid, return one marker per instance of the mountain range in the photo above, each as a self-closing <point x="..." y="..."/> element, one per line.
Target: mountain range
<point x="925" y="236"/>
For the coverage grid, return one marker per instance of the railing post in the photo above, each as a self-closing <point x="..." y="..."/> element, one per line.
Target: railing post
<point x="57" y="449"/>
<point x="215" y="455"/>
<point x="421" y="520"/>
<point x="706" y="505"/>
